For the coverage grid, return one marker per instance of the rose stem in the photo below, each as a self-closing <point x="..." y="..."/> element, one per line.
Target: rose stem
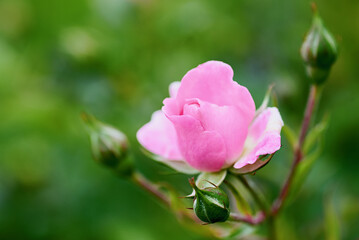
<point x="151" y="188"/>
<point x="249" y="219"/>
<point x="254" y="194"/>
<point x="241" y="202"/>
<point x="265" y="212"/>
<point x="298" y="155"/>
<point x="252" y="220"/>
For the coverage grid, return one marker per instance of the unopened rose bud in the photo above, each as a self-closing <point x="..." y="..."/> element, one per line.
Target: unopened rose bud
<point x="319" y="50"/>
<point x="109" y="145"/>
<point x="211" y="204"/>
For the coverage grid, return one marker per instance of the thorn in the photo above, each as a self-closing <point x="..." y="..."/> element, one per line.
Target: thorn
<point x="192" y="195"/>
<point x="190" y="208"/>
<point x="188" y="196"/>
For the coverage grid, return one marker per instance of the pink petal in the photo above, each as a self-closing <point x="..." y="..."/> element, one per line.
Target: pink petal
<point x="213" y="82"/>
<point x="263" y="137"/>
<point x="228" y="121"/>
<point x="173" y="89"/>
<point x="203" y="150"/>
<point x="159" y="137"/>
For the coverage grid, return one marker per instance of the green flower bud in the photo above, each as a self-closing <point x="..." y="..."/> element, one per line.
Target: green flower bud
<point x="319" y="50"/>
<point x="109" y="145"/>
<point x="211" y="204"/>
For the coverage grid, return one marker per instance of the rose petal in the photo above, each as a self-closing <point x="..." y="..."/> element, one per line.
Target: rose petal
<point x="263" y="137"/>
<point x="159" y="137"/>
<point x="173" y="88"/>
<point x="203" y="150"/>
<point x="213" y="82"/>
<point x="228" y="121"/>
<point x="179" y="166"/>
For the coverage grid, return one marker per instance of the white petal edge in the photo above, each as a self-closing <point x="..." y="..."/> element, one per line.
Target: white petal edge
<point x="173" y="88"/>
<point x="267" y="143"/>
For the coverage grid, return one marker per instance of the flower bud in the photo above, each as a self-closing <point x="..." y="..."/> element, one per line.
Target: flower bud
<point x="211" y="204"/>
<point x="319" y="50"/>
<point x="109" y="145"/>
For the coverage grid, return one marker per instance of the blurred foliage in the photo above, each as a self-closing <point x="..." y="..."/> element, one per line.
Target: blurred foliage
<point x="115" y="59"/>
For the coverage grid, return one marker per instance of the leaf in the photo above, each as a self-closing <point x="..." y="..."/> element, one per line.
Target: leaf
<point x="304" y="168"/>
<point x="290" y="135"/>
<point x="240" y="193"/>
<point x="274" y="99"/>
<point x="242" y="231"/>
<point x="331" y="222"/>
<point x="313" y="136"/>
<point x="265" y="102"/>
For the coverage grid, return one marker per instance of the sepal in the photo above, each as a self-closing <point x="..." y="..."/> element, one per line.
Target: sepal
<point x="211" y="204"/>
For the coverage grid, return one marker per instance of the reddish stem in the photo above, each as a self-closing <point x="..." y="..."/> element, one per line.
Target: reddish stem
<point x="252" y="220"/>
<point x="298" y="155"/>
<point x="151" y="188"/>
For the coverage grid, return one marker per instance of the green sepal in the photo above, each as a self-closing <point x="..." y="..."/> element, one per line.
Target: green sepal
<point x="253" y="168"/>
<point x="211" y="204"/>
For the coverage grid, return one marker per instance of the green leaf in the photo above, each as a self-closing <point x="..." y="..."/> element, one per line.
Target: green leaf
<point x="304" y="168"/>
<point x="240" y="193"/>
<point x="313" y="136"/>
<point x="274" y="99"/>
<point x="314" y="139"/>
<point x="265" y="102"/>
<point x="241" y="232"/>
<point x="331" y="222"/>
<point x="290" y="135"/>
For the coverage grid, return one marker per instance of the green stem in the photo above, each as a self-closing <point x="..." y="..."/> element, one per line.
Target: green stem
<point x="262" y="204"/>
<point x="254" y="194"/>
<point x="242" y="205"/>
<point x="272" y="235"/>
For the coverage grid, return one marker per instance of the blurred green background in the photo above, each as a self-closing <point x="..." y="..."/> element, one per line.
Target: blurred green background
<point x="115" y="59"/>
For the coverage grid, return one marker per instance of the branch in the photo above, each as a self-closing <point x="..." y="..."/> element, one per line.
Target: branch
<point x="252" y="220"/>
<point x="151" y="188"/>
<point x="298" y="155"/>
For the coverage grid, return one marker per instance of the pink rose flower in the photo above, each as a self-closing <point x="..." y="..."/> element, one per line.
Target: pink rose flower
<point x="210" y="123"/>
